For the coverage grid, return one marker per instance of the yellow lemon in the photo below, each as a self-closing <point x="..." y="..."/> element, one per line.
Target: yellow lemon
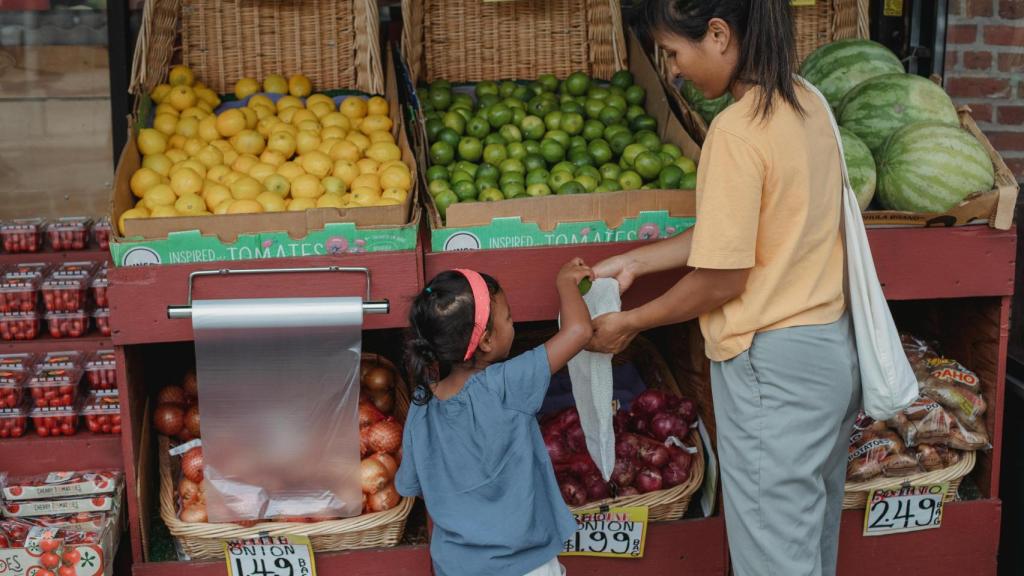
<point x="395" y="194"/>
<point x="186" y="181"/>
<point x="205" y="107"/>
<point x="215" y="194"/>
<point x="299" y="85"/>
<point x="223" y="207"/>
<point x="346" y="150"/>
<point x="208" y="96"/>
<point x="273" y="158"/>
<point x="318" y="98"/>
<point x="251" y="118"/>
<point x="301" y="204"/>
<point x="265" y="124"/>
<point x="193" y="146"/>
<point x="336" y="119"/>
<point x="190" y="204"/>
<point x="246" y="87"/>
<point x="230" y="122"/>
<point x="396" y="177"/>
<point x="264" y="112"/>
<point x="158" y="163"/>
<point x="244" y="163"/>
<point x="384" y="152"/>
<point x="163" y="212"/>
<point x="366" y="181"/>
<point x="151" y="141"/>
<point x="245" y="188"/>
<point x="320" y="109"/>
<point x="326" y="144"/>
<point x="208" y="129"/>
<point x="137" y="212"/>
<point x="210" y="156"/>
<point x="368" y="166"/>
<point x="271" y="202"/>
<point x="306" y="141"/>
<point x="165" y="124"/>
<point x="287" y="114"/>
<point x="143" y="179"/>
<point x="261" y="100"/>
<point x="217" y="173"/>
<point x="290" y="170"/>
<point x="316" y="163"/>
<point x="359" y="139"/>
<point x="278" y="184"/>
<point x="346" y="170"/>
<point x="275" y="84"/>
<point x="375" y="123"/>
<point x="333" y="133"/>
<point x="177" y="142"/>
<point x="377" y="106"/>
<point x="307" y="186"/>
<point x="248" y="142"/>
<point x="248" y="206"/>
<point x="176" y="156"/>
<point x="181" y="75"/>
<point x="310" y="125"/>
<point x="300" y="116"/>
<point x="195" y="112"/>
<point x="288" y="102"/>
<point x="261" y="171"/>
<point x="353" y="107"/>
<point x="365" y="196"/>
<point x="160" y="93"/>
<point x="166" y="108"/>
<point x="192" y="164"/>
<point x="381" y="137"/>
<point x="231" y="177"/>
<point x="385" y="165"/>
<point x="188" y="127"/>
<point x="284" y="127"/>
<point x="334" y="185"/>
<point x="282" y="142"/>
<point x="181" y="98"/>
<point x="330" y="201"/>
<point x="347" y="199"/>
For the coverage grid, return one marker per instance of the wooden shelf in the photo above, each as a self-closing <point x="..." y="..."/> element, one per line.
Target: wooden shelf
<point x="46" y="343"/>
<point x="94" y="253"/>
<point x="32" y="454"/>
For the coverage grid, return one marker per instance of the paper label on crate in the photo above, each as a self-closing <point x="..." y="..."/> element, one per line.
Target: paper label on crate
<point x="801" y="2"/>
<point x="56" y="507"/>
<point x="609" y="532"/>
<point x="182" y="448"/>
<point x="893" y="8"/>
<point x="904" y="509"/>
<point x="270" y="556"/>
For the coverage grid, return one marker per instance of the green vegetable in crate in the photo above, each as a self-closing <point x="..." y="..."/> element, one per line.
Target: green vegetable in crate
<point x="707" y="109"/>
<point x="861" y="167"/>
<point x="932" y="167"/>
<point x="841" y="66"/>
<point x="879" y="107"/>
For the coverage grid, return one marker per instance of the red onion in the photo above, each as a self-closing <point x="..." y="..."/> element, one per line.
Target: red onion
<point x="581" y="465"/>
<point x="672" y="402"/>
<point x="573" y="492"/>
<point x="620" y="422"/>
<point x="566" y="419"/>
<point x="556" y="449"/>
<point x="368" y="414"/>
<point x="648" y="480"/>
<point x="680" y="457"/>
<point x="674" y="475"/>
<point x="597" y="488"/>
<point x="653" y="454"/>
<point x="628" y="491"/>
<point x="626" y="446"/>
<point x="665" y="424"/>
<point x="624" y="472"/>
<point x="638" y="423"/>
<point x="649" y="402"/>
<point x="687" y="410"/>
<point x="575" y="439"/>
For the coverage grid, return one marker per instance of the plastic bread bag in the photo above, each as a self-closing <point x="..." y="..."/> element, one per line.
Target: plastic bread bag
<point x="951" y="371"/>
<point x="966" y="406"/>
<point x="934" y="458"/>
<point x="962" y="437"/>
<point x="923" y="422"/>
<point x="870" y="444"/>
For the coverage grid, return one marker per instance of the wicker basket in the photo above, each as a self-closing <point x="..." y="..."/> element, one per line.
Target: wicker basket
<point x="205" y="541"/>
<point x="856" y="496"/>
<point x="472" y="40"/>
<point x="335" y="43"/>
<point x="664" y="505"/>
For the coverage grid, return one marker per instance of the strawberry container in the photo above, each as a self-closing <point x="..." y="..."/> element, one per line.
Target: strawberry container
<point x="101" y="371"/>
<point x="99" y="286"/>
<point x="61" y="421"/>
<point x="19" y="294"/>
<point x="102" y="413"/>
<point x="71" y="233"/>
<point x="67" y="324"/>
<point x="27" y="270"/>
<point x="19" y="326"/>
<point x="102" y="317"/>
<point x="13" y="422"/>
<point x="54" y="387"/>
<point x="12" y="387"/>
<point x="23" y="361"/>
<point x="65" y="294"/>
<point x="101" y="230"/>
<point x="20" y="236"/>
<point x="63" y="359"/>
<point x="60" y="485"/>
<point x="81" y="269"/>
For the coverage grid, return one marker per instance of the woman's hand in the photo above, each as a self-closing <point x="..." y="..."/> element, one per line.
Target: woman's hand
<point x="612" y="333"/>
<point x="621" y="267"/>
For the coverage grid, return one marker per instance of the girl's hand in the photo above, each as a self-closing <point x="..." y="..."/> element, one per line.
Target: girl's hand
<point x="572" y="273"/>
<point x="612" y="333"/>
<point x="621" y="267"/>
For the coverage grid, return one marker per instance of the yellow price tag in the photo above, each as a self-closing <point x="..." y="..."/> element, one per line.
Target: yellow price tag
<point x="801" y="2"/>
<point x="893" y="8"/>
<point x="270" y="556"/>
<point x="904" y="509"/>
<point x="609" y="533"/>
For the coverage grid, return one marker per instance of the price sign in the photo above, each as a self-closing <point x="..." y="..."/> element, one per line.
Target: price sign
<point x="270" y="556"/>
<point x="801" y="2"/>
<point x="609" y="532"/>
<point x="904" y="509"/>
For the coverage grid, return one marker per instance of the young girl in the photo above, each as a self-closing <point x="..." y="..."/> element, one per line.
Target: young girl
<point x="767" y="283"/>
<point x="472" y="447"/>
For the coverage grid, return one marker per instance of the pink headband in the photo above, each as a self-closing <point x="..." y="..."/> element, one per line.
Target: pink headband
<point x="481" y="308"/>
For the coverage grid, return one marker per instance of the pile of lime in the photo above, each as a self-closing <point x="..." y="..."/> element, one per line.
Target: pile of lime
<point x="501" y="140"/>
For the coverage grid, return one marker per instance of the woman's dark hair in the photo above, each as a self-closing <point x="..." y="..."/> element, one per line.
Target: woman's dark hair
<point x="765" y="33"/>
<point x="441" y="324"/>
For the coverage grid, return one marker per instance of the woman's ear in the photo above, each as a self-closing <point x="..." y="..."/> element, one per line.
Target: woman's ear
<point x="719" y="34"/>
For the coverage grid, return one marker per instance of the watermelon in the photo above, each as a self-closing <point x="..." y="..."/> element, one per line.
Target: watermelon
<point x="839" y="67"/>
<point x="932" y="167"/>
<point x="860" y="165"/>
<point x="707" y="109"/>
<point x="879" y="107"/>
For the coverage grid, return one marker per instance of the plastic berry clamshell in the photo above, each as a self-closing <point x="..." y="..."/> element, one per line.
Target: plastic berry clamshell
<point x="81" y="269"/>
<point x="55" y="421"/>
<point x="65" y="294"/>
<point x="67" y="324"/>
<point x="53" y="485"/>
<point x="101" y="371"/>
<point x="101" y="231"/>
<point x="13" y="422"/>
<point x="23" y="361"/>
<point x="18" y="293"/>
<point x="70" y="233"/>
<point x="63" y="359"/>
<point x="102" y="316"/>
<point x="22" y="236"/>
<point x="19" y="326"/>
<point x="54" y="387"/>
<point x="27" y="269"/>
<point x="99" y="286"/>
<point x="12" y="387"/>
<point x="102" y="414"/>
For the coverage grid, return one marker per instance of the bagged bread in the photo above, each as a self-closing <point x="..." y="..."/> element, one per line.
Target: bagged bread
<point x="923" y="422"/>
<point x="966" y="406"/>
<point x="875" y="449"/>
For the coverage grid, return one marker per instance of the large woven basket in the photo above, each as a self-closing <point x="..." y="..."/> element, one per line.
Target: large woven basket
<point x="333" y="42"/>
<point x="474" y="40"/>
<point x="664" y="505"/>
<point x="856" y="496"/>
<point x="205" y="541"/>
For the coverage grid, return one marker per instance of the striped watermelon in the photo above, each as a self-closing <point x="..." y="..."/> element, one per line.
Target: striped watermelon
<point x="881" y="106"/>
<point x="861" y="167"/>
<point x="837" y="68"/>
<point x="707" y="109"/>
<point x="932" y="167"/>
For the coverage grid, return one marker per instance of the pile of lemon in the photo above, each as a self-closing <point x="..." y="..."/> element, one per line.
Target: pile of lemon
<point x="266" y="156"/>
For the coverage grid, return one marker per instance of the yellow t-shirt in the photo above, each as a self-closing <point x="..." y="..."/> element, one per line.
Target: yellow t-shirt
<point x="768" y="199"/>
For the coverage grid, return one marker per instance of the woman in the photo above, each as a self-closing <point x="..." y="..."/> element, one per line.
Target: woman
<point x="767" y="283"/>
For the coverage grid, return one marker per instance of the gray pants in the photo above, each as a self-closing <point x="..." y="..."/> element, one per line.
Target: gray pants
<point x="784" y="411"/>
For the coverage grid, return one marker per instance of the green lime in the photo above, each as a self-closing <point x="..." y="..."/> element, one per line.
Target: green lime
<point x="593" y="107"/>
<point x="559" y="136"/>
<point x="517" y="115"/>
<point x="629" y="155"/>
<point x="687" y="164"/>
<point x="532" y="127"/>
<point x="578" y="142"/>
<point x="614" y="129"/>
<point x="494" y="138"/>
<point x="464" y="190"/>
<point x="689" y="181"/>
<point x="467" y="167"/>
<point x="516" y="150"/>
<point x="620" y="141"/>
<point x="539" y="189"/>
<point x="580" y="157"/>
<point x="644" y="122"/>
<point x="434" y="127"/>
<point x="670" y="177"/>
<point x="441" y="83"/>
<point x="440" y="97"/>
<point x="534" y="162"/>
<point x="485" y="183"/>
<point x="577" y="83"/>
<point x="466" y="113"/>
<point x="588" y="182"/>
<point x="633" y="112"/>
<point x="511" y="133"/>
<point x="649" y="140"/>
<point x="478" y="127"/>
<point x="610" y="115"/>
<point x="499" y="115"/>
<point x="611" y="184"/>
<point x="487" y="172"/>
<point x="600" y="151"/>
<point x="522" y="93"/>
<point x="486" y="88"/>
<point x="462" y="100"/>
<point x="559" y="178"/>
<point x="666" y="158"/>
<point x="470" y="148"/>
<point x="553" y="120"/>
<point x="589" y="171"/>
<point x="495" y="154"/>
<point x="541" y="106"/>
<point x="455" y="121"/>
<point x="617" y="101"/>
<point x="571" y="108"/>
<point x="441" y="153"/>
<point x="438" y="186"/>
<point x="491" y="195"/>
<point x="602" y="187"/>
<point x="648" y="165"/>
<point x="548" y="82"/>
<point x="572" y="187"/>
<point x="610" y="171"/>
<point x="459" y="175"/>
<point x="552" y="151"/>
<point x="532" y="147"/>
<point x="437" y="173"/>
<point x="564" y="166"/>
<point x="598" y="93"/>
<point x="512" y="165"/>
<point x="506" y="88"/>
<point x="623" y="79"/>
<point x="636" y="95"/>
<point x="630" y="180"/>
<point x="537" y="176"/>
<point x="593" y="129"/>
<point x="444" y="200"/>
<point x="672" y="150"/>
<point x="584" y="286"/>
<point x="449" y="136"/>
<point x="513" y="190"/>
<point x="512" y="176"/>
<point x="486" y="101"/>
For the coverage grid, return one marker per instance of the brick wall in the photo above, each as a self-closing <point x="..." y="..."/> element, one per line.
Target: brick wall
<point x="985" y="70"/>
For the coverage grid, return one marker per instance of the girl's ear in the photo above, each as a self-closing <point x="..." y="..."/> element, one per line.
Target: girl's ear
<point x="486" y="342"/>
<point x="719" y="34"/>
